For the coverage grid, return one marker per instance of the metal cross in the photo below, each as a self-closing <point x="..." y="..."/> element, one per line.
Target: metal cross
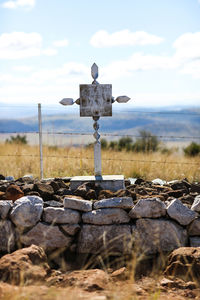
<point x="95" y="101"/>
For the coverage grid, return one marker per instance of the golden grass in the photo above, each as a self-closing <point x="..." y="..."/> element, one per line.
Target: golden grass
<point x="18" y="160"/>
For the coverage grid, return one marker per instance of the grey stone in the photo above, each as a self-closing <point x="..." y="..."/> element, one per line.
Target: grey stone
<point x="58" y="215"/>
<point x="82" y="205"/>
<point x="194" y="227"/>
<point x="5" y="206"/>
<point x="115" y="202"/>
<point x="194" y="241"/>
<point x="70" y="229"/>
<point x="9" y="178"/>
<point x="7" y="236"/>
<point x="181" y="213"/>
<point x="26" y="211"/>
<point x="106" y="216"/>
<point x="157" y="236"/>
<point x="108" y="240"/>
<point x="46" y="236"/>
<point x="148" y="208"/>
<point x="196" y="204"/>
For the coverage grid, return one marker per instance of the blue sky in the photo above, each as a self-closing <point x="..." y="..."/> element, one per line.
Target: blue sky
<point x="147" y="49"/>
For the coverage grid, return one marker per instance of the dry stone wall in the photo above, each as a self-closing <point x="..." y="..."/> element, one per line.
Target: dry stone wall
<point x="116" y="225"/>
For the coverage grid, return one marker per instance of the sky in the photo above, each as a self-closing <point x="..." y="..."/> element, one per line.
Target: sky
<point x="148" y="50"/>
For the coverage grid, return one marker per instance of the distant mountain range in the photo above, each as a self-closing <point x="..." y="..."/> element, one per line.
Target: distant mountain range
<point x="161" y="122"/>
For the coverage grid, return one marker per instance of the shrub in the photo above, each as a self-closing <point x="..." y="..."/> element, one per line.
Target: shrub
<point x="125" y="143"/>
<point x="192" y="150"/>
<point x="17" y="140"/>
<point x="104" y="144"/>
<point x="146" y="142"/>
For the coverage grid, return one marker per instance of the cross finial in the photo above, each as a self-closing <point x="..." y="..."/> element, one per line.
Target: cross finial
<point x="94" y="71"/>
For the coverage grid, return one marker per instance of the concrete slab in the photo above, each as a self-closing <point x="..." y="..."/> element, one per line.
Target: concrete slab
<point x="106" y="182"/>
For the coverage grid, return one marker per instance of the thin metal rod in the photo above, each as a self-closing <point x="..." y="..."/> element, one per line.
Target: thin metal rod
<point x="40" y="139"/>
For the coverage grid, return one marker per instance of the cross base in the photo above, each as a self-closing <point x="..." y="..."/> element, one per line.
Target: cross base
<point x="106" y="182"/>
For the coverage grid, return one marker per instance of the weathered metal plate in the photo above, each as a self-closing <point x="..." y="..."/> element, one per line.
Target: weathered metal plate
<point x="95" y="100"/>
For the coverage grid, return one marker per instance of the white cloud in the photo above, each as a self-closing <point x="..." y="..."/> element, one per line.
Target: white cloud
<point x="18" y="45"/>
<point x="49" y="51"/>
<point x="24" y="68"/>
<point x="123" y="38"/>
<point x="19" y="3"/>
<point x="188" y="46"/>
<point x="61" y="43"/>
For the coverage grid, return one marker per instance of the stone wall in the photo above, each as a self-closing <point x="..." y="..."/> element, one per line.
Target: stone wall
<point x="117" y="225"/>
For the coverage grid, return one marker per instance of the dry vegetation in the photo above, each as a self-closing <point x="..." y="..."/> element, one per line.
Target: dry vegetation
<point x="18" y="160"/>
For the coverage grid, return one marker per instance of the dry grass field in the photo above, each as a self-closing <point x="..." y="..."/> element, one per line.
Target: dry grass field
<point x="18" y="160"/>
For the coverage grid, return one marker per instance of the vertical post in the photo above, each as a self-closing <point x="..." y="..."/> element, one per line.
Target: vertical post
<point x="97" y="149"/>
<point x="40" y="139"/>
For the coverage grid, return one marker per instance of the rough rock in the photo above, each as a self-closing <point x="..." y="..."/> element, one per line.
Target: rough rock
<point x="175" y="193"/>
<point x="178" y="185"/>
<point x="13" y="192"/>
<point x="26" y="211"/>
<point x="194" y="241"/>
<point x="111" y="239"/>
<point x="89" y="280"/>
<point x="104" y="194"/>
<point x="7" y="236"/>
<point x="53" y="203"/>
<point x="179" y="212"/>
<point x="158" y="236"/>
<point x="56" y="215"/>
<point x="148" y="208"/>
<point x="5" y="207"/>
<point x="73" y="203"/>
<point x="195" y="188"/>
<point x="158" y="181"/>
<point x="106" y="216"/>
<point x="88" y="190"/>
<point x="46" y="236"/>
<point x="2" y="177"/>
<point x="45" y="190"/>
<point x="116" y="202"/>
<point x="70" y="229"/>
<point x="24" y="266"/>
<point x="196" y="204"/>
<point x="27" y="188"/>
<point x="194" y="227"/>
<point x="184" y="263"/>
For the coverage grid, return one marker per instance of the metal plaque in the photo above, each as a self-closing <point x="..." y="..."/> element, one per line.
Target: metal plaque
<point x="95" y="100"/>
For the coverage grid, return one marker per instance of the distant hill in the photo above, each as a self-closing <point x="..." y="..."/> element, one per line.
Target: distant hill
<point x="184" y="122"/>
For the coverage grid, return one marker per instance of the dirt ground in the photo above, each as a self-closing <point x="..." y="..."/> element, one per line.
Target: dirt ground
<point x="99" y="285"/>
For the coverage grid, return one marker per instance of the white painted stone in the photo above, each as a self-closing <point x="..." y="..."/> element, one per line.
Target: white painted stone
<point x="148" y="208"/>
<point x="196" y="204"/>
<point x="73" y="203"/>
<point x="106" y="182"/>
<point x="5" y="206"/>
<point x="181" y="213"/>
<point x="26" y="211"/>
<point x="110" y="239"/>
<point x="57" y="215"/>
<point x="194" y="241"/>
<point x="105" y="216"/>
<point x="7" y="236"/>
<point x="115" y="202"/>
<point x="158" y="181"/>
<point x="194" y="228"/>
<point x="157" y="236"/>
<point x="70" y="229"/>
<point x="45" y="236"/>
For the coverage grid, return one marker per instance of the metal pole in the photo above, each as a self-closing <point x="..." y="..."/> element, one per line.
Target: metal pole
<point x="40" y="139"/>
<point x="97" y="149"/>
